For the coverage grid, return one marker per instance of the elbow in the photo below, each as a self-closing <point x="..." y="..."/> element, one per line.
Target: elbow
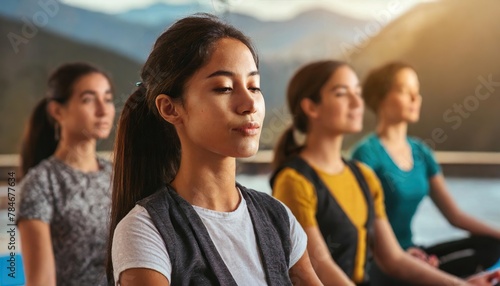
<point x="389" y="264"/>
<point x="455" y="219"/>
<point x="38" y="280"/>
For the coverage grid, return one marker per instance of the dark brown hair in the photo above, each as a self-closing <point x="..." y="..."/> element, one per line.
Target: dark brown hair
<point x="306" y="83"/>
<point x="379" y="82"/>
<point x="147" y="148"/>
<point x="39" y="141"/>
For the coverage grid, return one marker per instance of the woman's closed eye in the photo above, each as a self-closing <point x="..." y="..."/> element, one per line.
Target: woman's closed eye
<point x="223" y="90"/>
<point x="341" y="93"/>
<point x="87" y="99"/>
<point x="255" y="89"/>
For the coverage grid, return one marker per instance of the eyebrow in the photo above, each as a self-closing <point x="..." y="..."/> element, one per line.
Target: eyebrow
<point x="230" y="74"/>
<point x="343" y="86"/>
<point x="91" y="92"/>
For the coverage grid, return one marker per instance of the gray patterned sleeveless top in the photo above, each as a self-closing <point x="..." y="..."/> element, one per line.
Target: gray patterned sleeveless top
<point x="76" y="205"/>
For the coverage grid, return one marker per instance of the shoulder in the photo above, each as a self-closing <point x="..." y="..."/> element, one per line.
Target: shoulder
<point x="159" y="198"/>
<point x="421" y="149"/>
<point x="367" y="171"/>
<point x="137" y="230"/>
<point x="365" y="143"/>
<point x="39" y="175"/>
<point x="137" y="219"/>
<point x="292" y="176"/>
<point x="370" y="177"/>
<point x="366" y="149"/>
<point x="106" y="165"/>
<point x="138" y="244"/>
<point x="419" y="144"/>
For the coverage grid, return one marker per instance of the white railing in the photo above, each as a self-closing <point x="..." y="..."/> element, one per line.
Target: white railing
<point x="265" y="156"/>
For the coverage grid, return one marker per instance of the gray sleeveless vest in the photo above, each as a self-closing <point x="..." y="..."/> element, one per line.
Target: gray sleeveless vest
<point x="194" y="257"/>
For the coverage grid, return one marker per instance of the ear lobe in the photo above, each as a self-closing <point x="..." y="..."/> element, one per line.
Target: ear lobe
<point x="167" y="109"/>
<point x="309" y="107"/>
<point x="54" y="110"/>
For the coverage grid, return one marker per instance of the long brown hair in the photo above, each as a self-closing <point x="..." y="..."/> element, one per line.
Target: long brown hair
<point x="39" y="140"/>
<point x="147" y="148"/>
<point x="379" y="82"/>
<point x="305" y="83"/>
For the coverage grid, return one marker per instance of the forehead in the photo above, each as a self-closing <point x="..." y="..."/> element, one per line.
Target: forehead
<point x="406" y="76"/>
<point x="91" y="81"/>
<point x="230" y="54"/>
<point x="344" y="75"/>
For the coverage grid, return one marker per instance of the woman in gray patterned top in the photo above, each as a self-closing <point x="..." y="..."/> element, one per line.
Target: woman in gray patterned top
<point x="65" y="193"/>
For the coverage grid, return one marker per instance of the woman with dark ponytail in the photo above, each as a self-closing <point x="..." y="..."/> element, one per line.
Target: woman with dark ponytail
<point x="178" y="215"/>
<point x="340" y="203"/>
<point x="65" y="191"/>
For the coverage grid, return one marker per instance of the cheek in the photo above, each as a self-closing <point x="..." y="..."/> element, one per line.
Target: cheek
<point x="112" y="111"/>
<point x="419" y="102"/>
<point x="260" y="106"/>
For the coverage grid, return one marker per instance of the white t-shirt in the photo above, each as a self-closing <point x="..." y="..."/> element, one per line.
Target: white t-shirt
<point x="138" y="244"/>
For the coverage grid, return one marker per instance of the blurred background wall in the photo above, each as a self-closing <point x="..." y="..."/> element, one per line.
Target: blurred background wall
<point x="453" y="44"/>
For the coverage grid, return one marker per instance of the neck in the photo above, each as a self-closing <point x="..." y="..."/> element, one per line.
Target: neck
<point x="80" y="155"/>
<point x="324" y="151"/>
<point x="392" y="132"/>
<point x="207" y="180"/>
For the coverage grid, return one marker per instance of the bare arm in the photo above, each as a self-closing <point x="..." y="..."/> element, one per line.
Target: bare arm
<point x="302" y="272"/>
<point x="327" y="270"/>
<point x="455" y="216"/>
<point x="397" y="263"/>
<point x="142" y="277"/>
<point x="38" y="257"/>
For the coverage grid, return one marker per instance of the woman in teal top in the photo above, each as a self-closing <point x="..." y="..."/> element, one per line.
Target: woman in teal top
<point x="403" y="189"/>
<point x="408" y="172"/>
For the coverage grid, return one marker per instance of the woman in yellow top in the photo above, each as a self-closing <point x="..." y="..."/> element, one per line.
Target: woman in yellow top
<point x="339" y="203"/>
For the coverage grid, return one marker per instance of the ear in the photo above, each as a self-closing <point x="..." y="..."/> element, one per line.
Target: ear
<point x="309" y="107"/>
<point x="54" y="109"/>
<point x="168" y="109"/>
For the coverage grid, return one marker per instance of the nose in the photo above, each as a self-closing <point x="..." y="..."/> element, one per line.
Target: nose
<point x="246" y="103"/>
<point x="415" y="96"/>
<point x="101" y="107"/>
<point x="356" y="100"/>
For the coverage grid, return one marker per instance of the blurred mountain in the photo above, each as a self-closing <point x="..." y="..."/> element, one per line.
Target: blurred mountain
<point x="282" y="46"/>
<point x="454" y="46"/>
<point x="310" y="35"/>
<point x="161" y="14"/>
<point x="98" y="29"/>
<point x="23" y="76"/>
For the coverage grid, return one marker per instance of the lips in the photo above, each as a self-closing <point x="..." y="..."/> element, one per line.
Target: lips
<point x="248" y="129"/>
<point x="102" y="125"/>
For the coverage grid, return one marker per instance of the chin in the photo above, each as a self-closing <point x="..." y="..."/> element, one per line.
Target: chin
<point x="101" y="135"/>
<point x="247" y="149"/>
<point x="354" y="129"/>
<point x="413" y="119"/>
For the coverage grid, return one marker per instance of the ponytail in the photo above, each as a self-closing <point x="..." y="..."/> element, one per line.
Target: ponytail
<point x="147" y="156"/>
<point x="147" y="148"/>
<point x="286" y="148"/>
<point x="39" y="141"/>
